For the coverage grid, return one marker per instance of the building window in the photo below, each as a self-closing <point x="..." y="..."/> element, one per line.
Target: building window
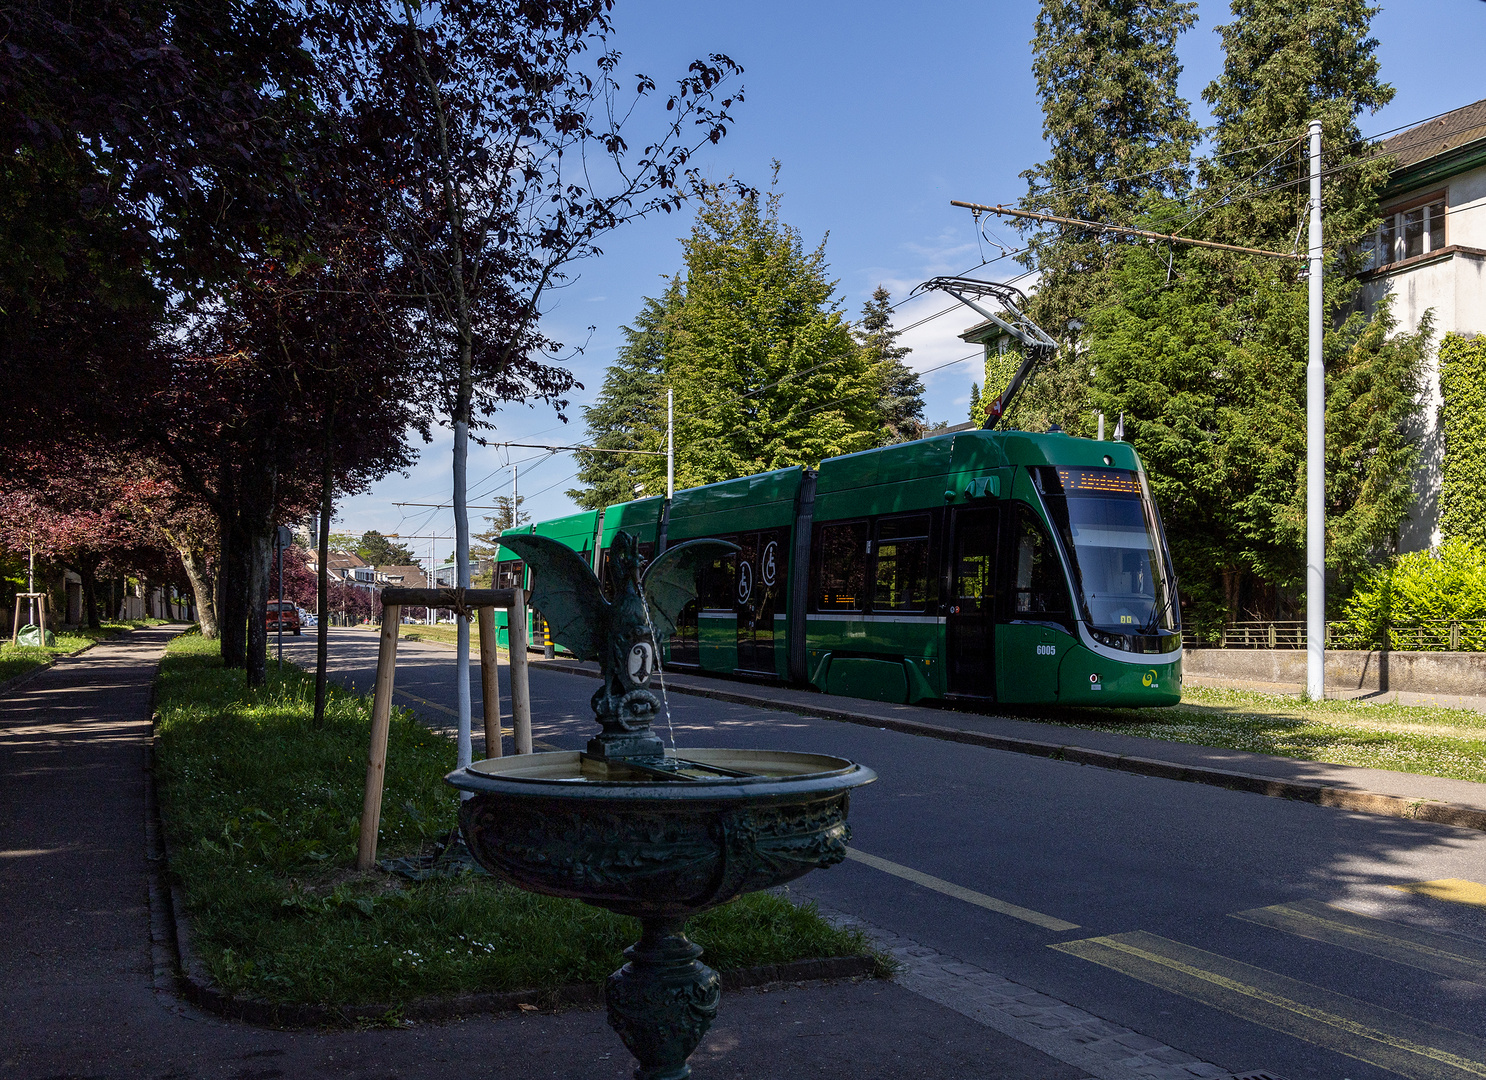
<point x="1409" y="232"/>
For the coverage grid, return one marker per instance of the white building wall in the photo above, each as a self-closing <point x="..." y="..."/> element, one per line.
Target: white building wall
<point x="1454" y="288"/>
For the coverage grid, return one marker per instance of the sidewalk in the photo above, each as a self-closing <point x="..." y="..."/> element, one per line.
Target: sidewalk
<point x="80" y="996"/>
<point x="1375" y="791"/>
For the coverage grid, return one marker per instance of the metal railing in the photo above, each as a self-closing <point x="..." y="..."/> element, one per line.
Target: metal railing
<point x="1467" y="635"/>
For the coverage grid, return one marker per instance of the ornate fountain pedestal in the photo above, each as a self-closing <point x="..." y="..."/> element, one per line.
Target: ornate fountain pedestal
<point x="661" y="841"/>
<point x="633" y="827"/>
<point x="663" y="1001"/>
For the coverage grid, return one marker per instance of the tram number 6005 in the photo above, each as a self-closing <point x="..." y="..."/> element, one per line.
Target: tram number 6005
<point x="1047" y="650"/>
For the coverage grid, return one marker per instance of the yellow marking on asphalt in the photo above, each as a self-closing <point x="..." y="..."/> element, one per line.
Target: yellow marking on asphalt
<point x="1390" y="1040"/>
<point x="536" y="744"/>
<point x="1455" y="890"/>
<point x="1411" y="946"/>
<point x="959" y="892"/>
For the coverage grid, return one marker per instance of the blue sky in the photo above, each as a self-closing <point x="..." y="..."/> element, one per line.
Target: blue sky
<point x="880" y="113"/>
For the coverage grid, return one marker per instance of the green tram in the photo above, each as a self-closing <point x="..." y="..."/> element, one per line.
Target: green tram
<point x="977" y="566"/>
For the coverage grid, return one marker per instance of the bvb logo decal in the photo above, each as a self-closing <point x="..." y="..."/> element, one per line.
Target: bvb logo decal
<point x="768" y="568"/>
<point x="1149" y="678"/>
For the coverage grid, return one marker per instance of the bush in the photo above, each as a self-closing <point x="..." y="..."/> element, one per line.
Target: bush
<point x="1444" y="585"/>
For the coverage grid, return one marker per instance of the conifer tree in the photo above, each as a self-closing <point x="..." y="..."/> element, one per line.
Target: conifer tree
<point x="902" y="391"/>
<point x="765" y="369"/>
<point x="1118" y="133"/>
<point x="1287" y="62"/>
<point x="630" y="409"/>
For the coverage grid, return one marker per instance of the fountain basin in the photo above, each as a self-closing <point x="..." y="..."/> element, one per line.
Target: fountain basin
<point x="662" y="839"/>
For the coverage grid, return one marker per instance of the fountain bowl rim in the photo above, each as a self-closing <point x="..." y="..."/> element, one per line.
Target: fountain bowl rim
<point x="837" y="775"/>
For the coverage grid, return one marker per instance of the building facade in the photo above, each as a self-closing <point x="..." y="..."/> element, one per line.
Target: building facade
<point x="1429" y="255"/>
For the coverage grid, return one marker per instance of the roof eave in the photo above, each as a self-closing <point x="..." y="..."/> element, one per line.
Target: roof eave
<point x="1434" y="169"/>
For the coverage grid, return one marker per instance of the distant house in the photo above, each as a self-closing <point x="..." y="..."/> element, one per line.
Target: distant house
<point x="340" y="565"/>
<point x="403" y="577"/>
<point x="1429" y="253"/>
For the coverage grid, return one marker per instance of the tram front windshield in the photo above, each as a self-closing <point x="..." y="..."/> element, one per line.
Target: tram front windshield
<point x="1108" y="525"/>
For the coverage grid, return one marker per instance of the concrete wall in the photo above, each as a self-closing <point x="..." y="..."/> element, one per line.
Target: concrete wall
<point x="1461" y="674"/>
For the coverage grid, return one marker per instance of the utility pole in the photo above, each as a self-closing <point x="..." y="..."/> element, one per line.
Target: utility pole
<point x="670" y="443"/>
<point x="1315" y="453"/>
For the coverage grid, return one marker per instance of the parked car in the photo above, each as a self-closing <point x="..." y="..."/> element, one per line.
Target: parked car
<point x="284" y="615"/>
<point x="309" y="620"/>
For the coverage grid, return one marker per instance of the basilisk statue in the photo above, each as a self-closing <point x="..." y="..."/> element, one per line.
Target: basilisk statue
<point x="623" y="635"/>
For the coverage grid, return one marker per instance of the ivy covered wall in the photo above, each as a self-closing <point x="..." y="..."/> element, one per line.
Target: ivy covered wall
<point x="1463" y="419"/>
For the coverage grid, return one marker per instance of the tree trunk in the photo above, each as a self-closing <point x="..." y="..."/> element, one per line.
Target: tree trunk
<point x="322" y="573"/>
<point x="88" y="570"/>
<point x="260" y="561"/>
<point x="194" y="560"/>
<point x="232" y="576"/>
<point x="256" y="506"/>
<point x="232" y="567"/>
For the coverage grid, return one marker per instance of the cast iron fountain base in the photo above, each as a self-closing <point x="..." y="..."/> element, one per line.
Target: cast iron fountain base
<point x="663" y="1001"/>
<point x="661" y="841"/>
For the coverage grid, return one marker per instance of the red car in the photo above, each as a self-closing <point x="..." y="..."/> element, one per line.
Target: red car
<point x="285" y="614"/>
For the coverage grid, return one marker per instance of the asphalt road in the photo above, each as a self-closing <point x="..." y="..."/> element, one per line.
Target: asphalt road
<point x="1194" y="915"/>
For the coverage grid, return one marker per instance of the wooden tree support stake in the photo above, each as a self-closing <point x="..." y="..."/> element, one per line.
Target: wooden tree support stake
<point x="483" y="601"/>
<point x="490" y="682"/>
<point x="15" y="629"/>
<point x="520" y="690"/>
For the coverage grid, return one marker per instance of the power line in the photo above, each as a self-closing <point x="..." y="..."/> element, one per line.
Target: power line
<point x="1128" y="231"/>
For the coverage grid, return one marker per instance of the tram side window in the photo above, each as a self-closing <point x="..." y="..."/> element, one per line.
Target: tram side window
<point x="508" y="574"/>
<point x="902" y="564"/>
<point x="841" y="567"/>
<point x="715" y="583"/>
<point x="1037" y="578"/>
<point x="975" y="562"/>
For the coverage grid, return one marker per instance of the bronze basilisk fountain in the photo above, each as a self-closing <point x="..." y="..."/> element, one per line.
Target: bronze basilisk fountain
<point x="638" y="828"/>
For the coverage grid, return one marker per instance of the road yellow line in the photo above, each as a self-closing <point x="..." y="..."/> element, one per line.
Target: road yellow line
<point x="1409" y="1047"/>
<point x="959" y="892"/>
<point x="1411" y="946"/>
<point x="1455" y="890"/>
<point x="537" y="744"/>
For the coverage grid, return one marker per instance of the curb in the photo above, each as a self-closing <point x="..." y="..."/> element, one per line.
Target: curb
<point x="1358" y="800"/>
<point x="178" y="970"/>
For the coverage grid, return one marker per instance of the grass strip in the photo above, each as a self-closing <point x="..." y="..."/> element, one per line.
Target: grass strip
<point x="261" y="809"/>
<point x="16" y="660"/>
<point x="1431" y="741"/>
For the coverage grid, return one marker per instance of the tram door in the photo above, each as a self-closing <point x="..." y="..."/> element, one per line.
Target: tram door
<point x="759" y="591"/>
<point x="970" y="622"/>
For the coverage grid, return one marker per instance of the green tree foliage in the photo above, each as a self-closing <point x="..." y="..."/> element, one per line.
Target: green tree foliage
<point x="376" y="550"/>
<point x="1423" y="587"/>
<point x="765" y="369"/>
<point x="630" y="409"/>
<point x="1463" y="417"/>
<point x="1214" y="399"/>
<point x="901" y="390"/>
<point x="1118" y="132"/>
<point x="977" y="410"/>
<point x="1287" y="62"/>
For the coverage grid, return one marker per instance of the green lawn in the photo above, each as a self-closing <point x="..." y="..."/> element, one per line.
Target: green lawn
<point x="19" y="659"/>
<point x="1407" y="738"/>
<point x="262" y="810"/>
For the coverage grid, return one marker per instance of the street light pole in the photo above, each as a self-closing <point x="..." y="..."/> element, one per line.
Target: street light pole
<point x="1315" y="452"/>
<point x="670" y="444"/>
